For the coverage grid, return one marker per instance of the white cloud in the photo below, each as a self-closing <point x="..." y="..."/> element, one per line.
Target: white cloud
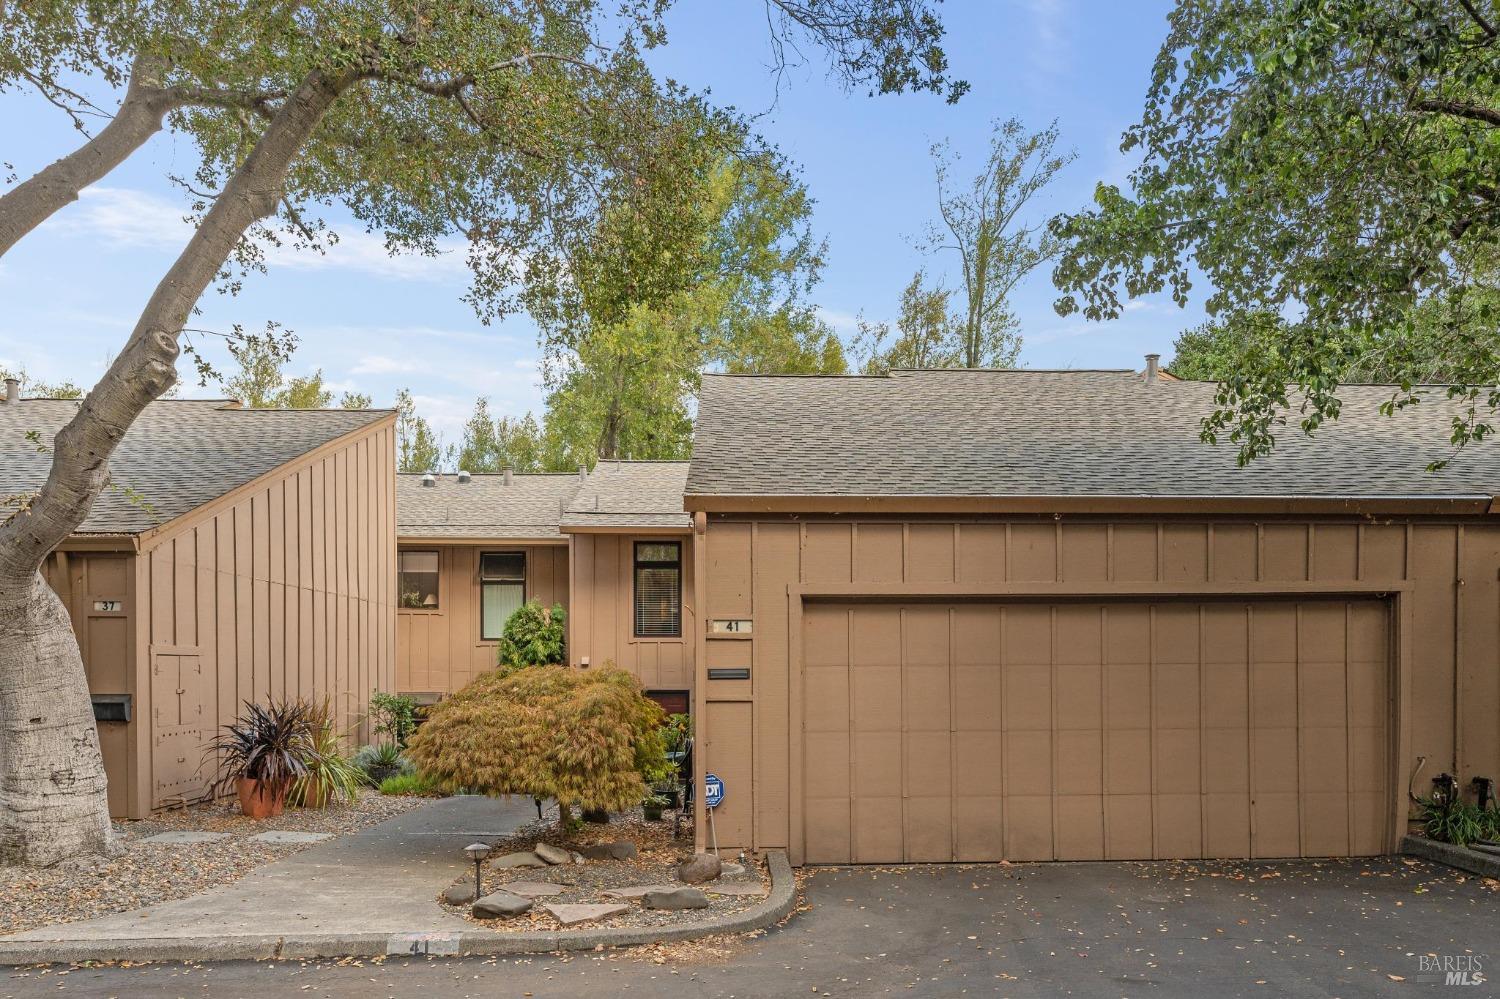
<point x="842" y="322"/>
<point x="1051" y="51"/>
<point x="123" y="218"/>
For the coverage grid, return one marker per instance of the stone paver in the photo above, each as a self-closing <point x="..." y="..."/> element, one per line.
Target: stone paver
<point x="513" y="860"/>
<point x="289" y="836"/>
<point x="636" y="891"/>
<point x="384" y="879"/>
<point x="571" y="914"/>
<point x="501" y="905"/>
<point x="184" y="837"/>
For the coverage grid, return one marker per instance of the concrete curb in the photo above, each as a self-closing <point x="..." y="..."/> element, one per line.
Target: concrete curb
<point x="1484" y="864"/>
<point x="265" y="947"/>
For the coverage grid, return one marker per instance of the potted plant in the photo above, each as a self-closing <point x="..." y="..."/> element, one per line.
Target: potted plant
<point x="652" y="805"/>
<point x="262" y="754"/>
<point x="330" y="775"/>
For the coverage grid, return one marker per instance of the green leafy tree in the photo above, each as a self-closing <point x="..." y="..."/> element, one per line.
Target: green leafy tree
<point x="40" y="389"/>
<point x="260" y="381"/>
<point x="584" y="738"/>
<point x="493" y="444"/>
<point x="513" y="123"/>
<point x="418" y="448"/>
<point x="629" y="334"/>
<point x="534" y="636"/>
<point x="983" y="224"/>
<point x="927" y="335"/>
<point x="1332" y="161"/>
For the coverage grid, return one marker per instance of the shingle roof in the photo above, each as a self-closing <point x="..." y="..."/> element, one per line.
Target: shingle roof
<point x="1049" y="434"/>
<point x="643" y="494"/>
<point x="484" y="508"/>
<point x="176" y="456"/>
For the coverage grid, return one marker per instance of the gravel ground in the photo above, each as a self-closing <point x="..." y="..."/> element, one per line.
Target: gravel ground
<point x="146" y="873"/>
<point x="657" y="864"/>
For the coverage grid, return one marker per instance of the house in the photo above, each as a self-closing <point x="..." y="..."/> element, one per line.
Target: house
<point x="612" y="546"/>
<point x="1030" y="615"/>
<point x="240" y="555"/>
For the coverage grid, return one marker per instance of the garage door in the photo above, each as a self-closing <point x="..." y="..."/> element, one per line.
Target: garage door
<point x="977" y="732"/>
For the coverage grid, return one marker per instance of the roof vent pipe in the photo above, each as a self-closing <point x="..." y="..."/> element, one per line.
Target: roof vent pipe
<point x="428" y="480"/>
<point x="508" y="478"/>
<point x="1153" y="365"/>
<point x="583" y="473"/>
<point x="463" y="475"/>
<point x="12" y="390"/>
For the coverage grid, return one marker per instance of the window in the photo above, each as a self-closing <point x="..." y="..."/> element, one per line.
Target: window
<point x="658" y="589"/>
<point x="502" y="590"/>
<point x="417" y="579"/>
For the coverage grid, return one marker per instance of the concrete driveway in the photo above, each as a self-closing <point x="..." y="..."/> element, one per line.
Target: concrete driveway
<point x="1340" y="928"/>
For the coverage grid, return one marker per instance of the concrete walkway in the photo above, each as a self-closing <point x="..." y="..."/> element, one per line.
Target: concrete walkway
<point x="384" y="879"/>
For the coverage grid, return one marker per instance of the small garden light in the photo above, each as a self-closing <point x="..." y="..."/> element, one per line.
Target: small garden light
<point x="477" y="852"/>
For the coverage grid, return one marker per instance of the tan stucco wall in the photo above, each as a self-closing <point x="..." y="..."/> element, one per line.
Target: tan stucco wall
<point x="601" y="621"/>
<point x="1448" y="572"/>
<point x="439" y="652"/>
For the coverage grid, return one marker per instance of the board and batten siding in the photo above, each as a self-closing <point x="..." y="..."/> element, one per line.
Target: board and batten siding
<point x="284" y="588"/>
<point x="440" y="651"/>
<point x="601" y="625"/>
<point x="1449" y="572"/>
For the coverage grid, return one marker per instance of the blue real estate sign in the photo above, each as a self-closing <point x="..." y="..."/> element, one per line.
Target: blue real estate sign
<point x="713" y="790"/>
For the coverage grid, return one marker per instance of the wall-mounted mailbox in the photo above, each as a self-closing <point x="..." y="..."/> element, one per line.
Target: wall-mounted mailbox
<point x="112" y="707"/>
<point x="729" y="673"/>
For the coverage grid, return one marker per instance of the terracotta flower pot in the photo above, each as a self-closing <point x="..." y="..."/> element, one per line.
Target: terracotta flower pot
<point x="259" y="800"/>
<point x="316" y="794"/>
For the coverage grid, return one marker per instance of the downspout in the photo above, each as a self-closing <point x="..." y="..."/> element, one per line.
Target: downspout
<point x="700" y="676"/>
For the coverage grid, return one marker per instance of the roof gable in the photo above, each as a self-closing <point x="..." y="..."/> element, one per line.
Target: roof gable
<point x="178" y="454"/>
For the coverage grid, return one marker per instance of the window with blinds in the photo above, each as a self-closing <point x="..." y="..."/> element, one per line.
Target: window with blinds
<point x="502" y="590"/>
<point x="658" y="589"/>
<point x="417" y="579"/>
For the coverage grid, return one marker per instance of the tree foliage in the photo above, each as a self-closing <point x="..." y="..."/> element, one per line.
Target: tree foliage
<point x="983" y="223"/>
<point x="642" y="312"/>
<point x="1332" y="161"/>
<point x="584" y="738"/>
<point x="534" y="636"/>
<point x="261" y="382"/>
<point x="39" y="389"/>
<point x="927" y="335"/>
<point x="495" y="443"/>
<point x="418" y="447"/>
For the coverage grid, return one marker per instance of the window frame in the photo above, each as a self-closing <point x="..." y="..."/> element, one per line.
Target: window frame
<point x="437" y="590"/>
<point x="636" y="564"/>
<point x="483" y="580"/>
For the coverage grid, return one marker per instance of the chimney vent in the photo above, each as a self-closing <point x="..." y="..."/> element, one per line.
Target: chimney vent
<point x="428" y="480"/>
<point x="463" y="475"/>
<point x="12" y="390"/>
<point x="583" y="473"/>
<point x="508" y="477"/>
<point x="1153" y="366"/>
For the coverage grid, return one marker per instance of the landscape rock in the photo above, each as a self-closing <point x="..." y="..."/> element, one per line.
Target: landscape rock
<point x="620" y="849"/>
<point x="675" y="899"/>
<point x="578" y="858"/>
<point x="515" y="860"/>
<point x="459" y="894"/>
<point x="571" y="914"/>
<point x="728" y="870"/>
<point x="699" y="868"/>
<point x="552" y="854"/>
<point x="501" y="905"/>
<point x="635" y="891"/>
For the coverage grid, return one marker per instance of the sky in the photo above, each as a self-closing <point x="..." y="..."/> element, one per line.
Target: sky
<point x="70" y="292"/>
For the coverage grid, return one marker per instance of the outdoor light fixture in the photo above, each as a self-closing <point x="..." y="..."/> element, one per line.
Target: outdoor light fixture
<point x="477" y="852"/>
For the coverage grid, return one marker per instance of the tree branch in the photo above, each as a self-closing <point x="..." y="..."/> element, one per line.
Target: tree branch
<point x="1478" y="18"/>
<point x="1460" y="109"/>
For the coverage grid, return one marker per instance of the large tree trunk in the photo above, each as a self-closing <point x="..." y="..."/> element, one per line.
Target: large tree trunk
<point x="28" y="205"/>
<point x="52" y="800"/>
<point x="65" y="820"/>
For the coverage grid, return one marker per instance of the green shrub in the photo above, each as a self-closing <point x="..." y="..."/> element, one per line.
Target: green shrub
<point x="585" y="738"/>
<point x="377" y="762"/>
<point x="534" y="636"/>
<point x="1456" y="822"/>
<point x="394" y="716"/>
<point x="410" y="784"/>
<point x="331" y="777"/>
